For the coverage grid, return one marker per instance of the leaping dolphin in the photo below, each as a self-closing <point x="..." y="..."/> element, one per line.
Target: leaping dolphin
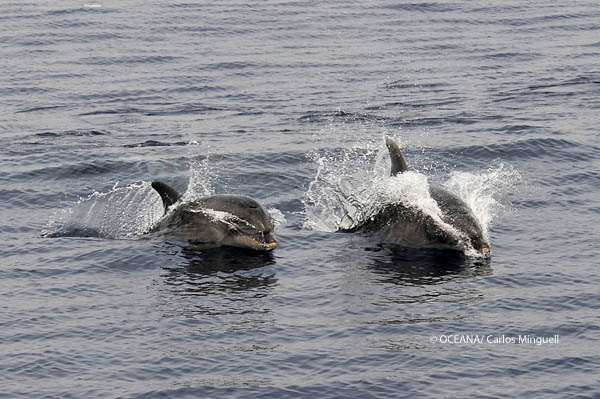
<point x="215" y="221"/>
<point x="402" y="224"/>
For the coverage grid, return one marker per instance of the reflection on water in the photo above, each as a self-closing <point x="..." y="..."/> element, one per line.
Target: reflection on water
<point x="407" y="266"/>
<point x="220" y="270"/>
<point x="217" y="286"/>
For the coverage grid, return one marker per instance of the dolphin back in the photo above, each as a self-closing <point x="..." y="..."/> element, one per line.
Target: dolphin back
<point x="167" y="193"/>
<point x="398" y="163"/>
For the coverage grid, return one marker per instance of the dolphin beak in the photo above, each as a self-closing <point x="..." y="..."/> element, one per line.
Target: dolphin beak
<point x="271" y="245"/>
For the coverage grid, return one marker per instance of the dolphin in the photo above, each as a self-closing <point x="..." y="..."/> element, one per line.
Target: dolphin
<point x="215" y="221"/>
<point x="399" y="223"/>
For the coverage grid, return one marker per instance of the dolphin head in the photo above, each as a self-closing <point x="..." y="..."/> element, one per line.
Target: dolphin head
<point x="218" y="220"/>
<point x="246" y="223"/>
<point x="460" y="216"/>
<point x="480" y="244"/>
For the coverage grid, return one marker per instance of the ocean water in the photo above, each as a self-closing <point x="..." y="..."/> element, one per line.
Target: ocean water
<point x="289" y="103"/>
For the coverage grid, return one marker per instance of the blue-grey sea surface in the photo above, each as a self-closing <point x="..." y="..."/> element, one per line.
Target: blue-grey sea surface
<point x="289" y="103"/>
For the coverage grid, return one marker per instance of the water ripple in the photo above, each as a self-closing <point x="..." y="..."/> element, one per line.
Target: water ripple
<point x="99" y="99"/>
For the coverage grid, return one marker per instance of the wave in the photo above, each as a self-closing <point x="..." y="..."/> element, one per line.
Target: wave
<point x="154" y="143"/>
<point x="534" y="148"/>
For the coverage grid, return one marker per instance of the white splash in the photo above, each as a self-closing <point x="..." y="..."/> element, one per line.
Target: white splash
<point x="122" y="212"/>
<point x="202" y="174"/>
<point x="352" y="184"/>
<point x="412" y="189"/>
<point x="277" y="216"/>
<point x="484" y="191"/>
<point x="223" y="217"/>
<point x="338" y="194"/>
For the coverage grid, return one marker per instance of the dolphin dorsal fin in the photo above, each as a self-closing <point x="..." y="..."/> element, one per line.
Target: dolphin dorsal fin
<point x="398" y="164"/>
<point x="168" y="194"/>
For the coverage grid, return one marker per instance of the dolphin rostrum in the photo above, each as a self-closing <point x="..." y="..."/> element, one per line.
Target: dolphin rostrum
<point x="215" y="221"/>
<point x="406" y="225"/>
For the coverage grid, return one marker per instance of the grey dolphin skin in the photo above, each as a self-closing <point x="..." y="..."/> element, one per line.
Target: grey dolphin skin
<point x="215" y="221"/>
<point x="408" y="226"/>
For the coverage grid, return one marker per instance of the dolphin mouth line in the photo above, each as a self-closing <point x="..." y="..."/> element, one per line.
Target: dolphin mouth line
<point x="267" y="246"/>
